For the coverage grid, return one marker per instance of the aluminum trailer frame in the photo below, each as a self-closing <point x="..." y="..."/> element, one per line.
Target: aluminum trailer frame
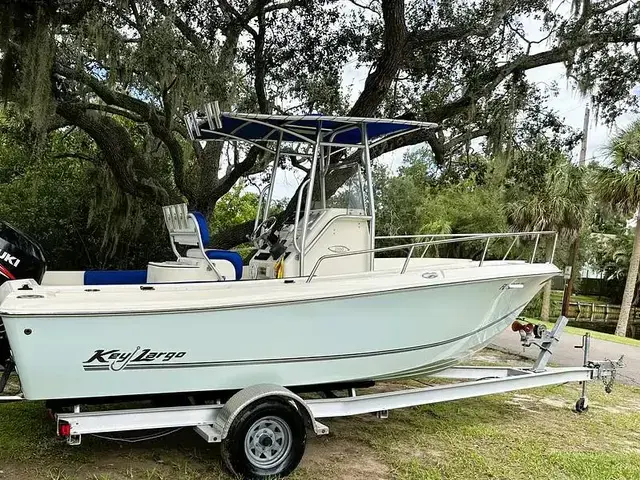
<point x="208" y="416"/>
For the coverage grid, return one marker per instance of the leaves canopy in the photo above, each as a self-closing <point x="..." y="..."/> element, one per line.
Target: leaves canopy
<point x="558" y="201"/>
<point x="619" y="185"/>
<point x="124" y="72"/>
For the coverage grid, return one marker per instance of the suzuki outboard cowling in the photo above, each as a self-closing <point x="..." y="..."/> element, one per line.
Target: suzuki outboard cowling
<point x="20" y="256"/>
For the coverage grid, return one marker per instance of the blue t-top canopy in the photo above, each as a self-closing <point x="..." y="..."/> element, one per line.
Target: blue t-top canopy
<point x="295" y="128"/>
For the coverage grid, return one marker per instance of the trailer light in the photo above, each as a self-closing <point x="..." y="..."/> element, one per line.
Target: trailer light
<point x="64" y="430"/>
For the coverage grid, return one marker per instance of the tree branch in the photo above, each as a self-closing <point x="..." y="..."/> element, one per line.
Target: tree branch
<point x="56" y="123"/>
<point x="136" y="15"/>
<point x="190" y="34"/>
<point x="230" y="10"/>
<point x="584" y="16"/>
<point x="115" y="110"/>
<point x="166" y="103"/>
<point x="280" y="6"/>
<point x="101" y="89"/>
<point x="235" y="173"/>
<point x="460" y="32"/>
<point x="487" y="81"/>
<point x="261" y="65"/>
<point x="124" y="161"/>
<point x="299" y="164"/>
<point x="364" y="7"/>
<point x="144" y="111"/>
<point x="602" y="7"/>
<point x="394" y="42"/>
<point x="465" y="137"/>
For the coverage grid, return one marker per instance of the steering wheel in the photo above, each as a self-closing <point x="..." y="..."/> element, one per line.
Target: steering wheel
<point x="267" y="224"/>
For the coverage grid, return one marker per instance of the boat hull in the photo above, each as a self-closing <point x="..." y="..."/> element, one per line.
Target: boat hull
<point x="394" y="334"/>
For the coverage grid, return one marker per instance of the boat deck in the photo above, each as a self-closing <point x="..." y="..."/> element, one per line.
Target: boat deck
<point x="80" y="299"/>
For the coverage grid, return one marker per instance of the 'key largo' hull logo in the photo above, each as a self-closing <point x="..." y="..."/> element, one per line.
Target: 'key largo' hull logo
<point x="139" y="359"/>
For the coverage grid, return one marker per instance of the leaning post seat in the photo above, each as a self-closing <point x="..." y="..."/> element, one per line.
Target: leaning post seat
<point x="190" y="229"/>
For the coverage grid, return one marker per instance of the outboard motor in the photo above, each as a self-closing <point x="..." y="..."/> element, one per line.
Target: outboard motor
<point x="20" y="258"/>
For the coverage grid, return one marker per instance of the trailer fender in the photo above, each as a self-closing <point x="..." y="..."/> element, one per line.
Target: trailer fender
<point x="242" y="399"/>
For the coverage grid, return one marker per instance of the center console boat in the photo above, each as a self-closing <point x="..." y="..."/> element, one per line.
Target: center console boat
<point x="319" y="303"/>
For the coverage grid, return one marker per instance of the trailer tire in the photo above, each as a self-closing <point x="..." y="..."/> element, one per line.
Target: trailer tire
<point x="582" y="405"/>
<point x="267" y="439"/>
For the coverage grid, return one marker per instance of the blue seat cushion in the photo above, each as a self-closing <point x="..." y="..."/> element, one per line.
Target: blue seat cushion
<point x="115" y="277"/>
<point x="233" y="257"/>
<point x="204" y="229"/>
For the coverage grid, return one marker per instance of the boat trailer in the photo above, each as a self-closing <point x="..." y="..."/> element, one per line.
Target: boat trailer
<point x="262" y="428"/>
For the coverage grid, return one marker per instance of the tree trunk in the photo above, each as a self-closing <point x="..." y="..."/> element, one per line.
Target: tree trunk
<point x="546" y="302"/>
<point x="573" y="260"/>
<point x="132" y="174"/>
<point x="630" y="286"/>
<point x="546" y="295"/>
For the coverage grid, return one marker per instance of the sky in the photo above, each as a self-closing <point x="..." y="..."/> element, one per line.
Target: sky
<point x="569" y="103"/>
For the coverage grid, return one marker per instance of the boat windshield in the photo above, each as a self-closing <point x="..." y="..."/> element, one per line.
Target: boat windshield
<point x="350" y="196"/>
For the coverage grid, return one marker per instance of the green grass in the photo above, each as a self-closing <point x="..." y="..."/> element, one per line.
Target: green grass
<point x="515" y="436"/>
<point x="593" y="333"/>
<point x="556" y="296"/>
<point x="510" y="436"/>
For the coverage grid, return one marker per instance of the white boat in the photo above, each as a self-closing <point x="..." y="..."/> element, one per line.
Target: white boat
<point x="317" y="304"/>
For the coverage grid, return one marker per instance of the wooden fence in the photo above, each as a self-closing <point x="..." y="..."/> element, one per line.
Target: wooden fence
<point x="598" y="316"/>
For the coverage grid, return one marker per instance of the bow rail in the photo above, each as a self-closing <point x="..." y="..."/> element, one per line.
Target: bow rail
<point x="457" y="238"/>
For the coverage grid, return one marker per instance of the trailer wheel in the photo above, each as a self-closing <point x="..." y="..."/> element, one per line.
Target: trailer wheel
<point x="267" y="439"/>
<point x="582" y="405"/>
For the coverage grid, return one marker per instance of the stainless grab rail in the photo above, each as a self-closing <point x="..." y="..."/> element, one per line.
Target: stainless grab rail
<point x="460" y="235"/>
<point x="295" y="221"/>
<point x="424" y="252"/>
<point x="457" y="238"/>
<point x="259" y="215"/>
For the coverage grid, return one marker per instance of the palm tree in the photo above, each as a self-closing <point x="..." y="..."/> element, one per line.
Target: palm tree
<point x="561" y="204"/>
<point x="619" y="187"/>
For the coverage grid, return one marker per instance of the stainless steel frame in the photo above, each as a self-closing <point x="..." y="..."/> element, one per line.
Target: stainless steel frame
<point x="431" y="236"/>
<point x="202" y="250"/>
<point x="322" y="142"/>
<point x="177" y="220"/>
<point x="259" y="211"/>
<point x="366" y="158"/>
<point x="309" y="198"/>
<point x="274" y="170"/>
<point x="304" y="185"/>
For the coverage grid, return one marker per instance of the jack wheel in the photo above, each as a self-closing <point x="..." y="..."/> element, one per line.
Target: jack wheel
<point x="266" y="440"/>
<point x="582" y="405"/>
